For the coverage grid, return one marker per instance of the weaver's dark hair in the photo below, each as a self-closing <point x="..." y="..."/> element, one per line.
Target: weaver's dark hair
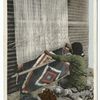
<point x="77" y="48"/>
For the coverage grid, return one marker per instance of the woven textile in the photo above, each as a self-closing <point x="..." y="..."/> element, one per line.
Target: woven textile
<point x="46" y="75"/>
<point x="39" y="25"/>
<point x="49" y="75"/>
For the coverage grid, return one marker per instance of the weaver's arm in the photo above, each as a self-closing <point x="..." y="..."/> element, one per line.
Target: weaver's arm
<point x="58" y="57"/>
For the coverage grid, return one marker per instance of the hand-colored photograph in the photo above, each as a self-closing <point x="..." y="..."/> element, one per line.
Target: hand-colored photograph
<point x="50" y="50"/>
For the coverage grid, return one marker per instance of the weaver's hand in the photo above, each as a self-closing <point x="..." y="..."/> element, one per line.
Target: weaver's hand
<point x="68" y="47"/>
